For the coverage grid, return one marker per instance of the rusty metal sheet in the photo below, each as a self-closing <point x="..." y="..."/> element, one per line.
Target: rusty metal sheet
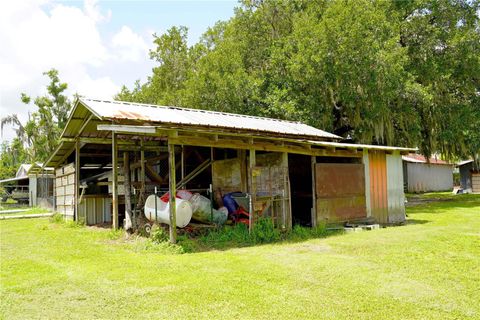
<point x="378" y="185"/>
<point x="340" y="191"/>
<point x="339" y="179"/>
<point x="110" y="109"/>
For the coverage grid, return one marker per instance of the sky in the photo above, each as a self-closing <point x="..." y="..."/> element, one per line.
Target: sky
<point x="97" y="46"/>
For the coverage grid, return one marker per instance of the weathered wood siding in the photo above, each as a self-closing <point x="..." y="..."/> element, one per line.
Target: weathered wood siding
<point x="65" y="190"/>
<point x="476" y="182"/>
<point x="227" y="175"/>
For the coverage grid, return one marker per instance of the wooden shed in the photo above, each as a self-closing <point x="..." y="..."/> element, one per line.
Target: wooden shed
<point x="469" y="176"/>
<point x="294" y="173"/>
<point x="32" y="185"/>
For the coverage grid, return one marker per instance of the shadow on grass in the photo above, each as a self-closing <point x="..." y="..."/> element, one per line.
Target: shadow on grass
<point x="416" y="221"/>
<point x="215" y="242"/>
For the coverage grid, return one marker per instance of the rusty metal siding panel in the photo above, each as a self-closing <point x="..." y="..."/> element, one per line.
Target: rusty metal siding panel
<point x="109" y="109"/>
<point x="423" y="177"/>
<point x="378" y="186"/>
<point x="366" y="165"/>
<point x="396" y="196"/>
<point x="340" y="192"/>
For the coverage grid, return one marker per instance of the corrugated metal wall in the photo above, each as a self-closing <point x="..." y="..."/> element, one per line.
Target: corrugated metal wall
<point x="378" y="185"/>
<point x="422" y="177"/>
<point x="340" y="192"/>
<point x="466" y="175"/>
<point x="95" y="209"/>
<point x="396" y="196"/>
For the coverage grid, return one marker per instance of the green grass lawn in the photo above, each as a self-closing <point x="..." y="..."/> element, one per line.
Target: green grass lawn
<point x="427" y="269"/>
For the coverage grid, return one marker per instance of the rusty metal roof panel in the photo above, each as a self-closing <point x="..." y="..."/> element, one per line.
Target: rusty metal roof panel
<point x="109" y="109"/>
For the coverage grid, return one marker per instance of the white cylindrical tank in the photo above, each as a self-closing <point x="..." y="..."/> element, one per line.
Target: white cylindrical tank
<point x="184" y="211"/>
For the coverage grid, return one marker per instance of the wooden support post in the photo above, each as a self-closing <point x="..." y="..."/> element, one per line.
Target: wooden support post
<point x="128" y="201"/>
<point x="114" y="181"/>
<point x="142" y="174"/>
<point x="314" y="192"/>
<point x="172" y="190"/>
<point x="242" y="155"/>
<point x="77" y="180"/>
<point x="182" y="165"/>
<point x="252" y="187"/>
<point x="288" y="195"/>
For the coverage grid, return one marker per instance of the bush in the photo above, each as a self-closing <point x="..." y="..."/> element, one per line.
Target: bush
<point x="264" y="231"/>
<point x="57" y="218"/>
<point x="158" y="234"/>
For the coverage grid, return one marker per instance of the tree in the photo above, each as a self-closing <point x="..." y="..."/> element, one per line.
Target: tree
<point x="401" y="73"/>
<point x="40" y="134"/>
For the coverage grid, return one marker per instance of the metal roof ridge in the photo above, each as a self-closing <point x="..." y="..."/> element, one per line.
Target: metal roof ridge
<point x="194" y="110"/>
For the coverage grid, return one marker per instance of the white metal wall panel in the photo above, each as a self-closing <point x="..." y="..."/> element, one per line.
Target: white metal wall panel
<point x="396" y="196"/>
<point x="423" y="177"/>
<point x="366" y="165"/>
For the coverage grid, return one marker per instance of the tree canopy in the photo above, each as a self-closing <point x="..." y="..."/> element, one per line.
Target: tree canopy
<point x="37" y="138"/>
<point x="401" y="73"/>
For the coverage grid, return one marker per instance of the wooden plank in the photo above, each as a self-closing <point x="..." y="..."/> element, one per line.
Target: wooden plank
<point x="77" y="178"/>
<point x="128" y="204"/>
<point x="252" y="186"/>
<point x="126" y="128"/>
<point x="261" y="146"/>
<point x="314" y="198"/>
<point x="114" y="181"/>
<point x="172" y="190"/>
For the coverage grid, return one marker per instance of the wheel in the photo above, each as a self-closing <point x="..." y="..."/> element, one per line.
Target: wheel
<point x="147" y="228"/>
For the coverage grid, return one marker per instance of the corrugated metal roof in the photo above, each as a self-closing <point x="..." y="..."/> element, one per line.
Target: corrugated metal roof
<point x="359" y="146"/>
<point x="13" y="179"/>
<point x="461" y="163"/>
<point x="418" y="158"/>
<point x="110" y="109"/>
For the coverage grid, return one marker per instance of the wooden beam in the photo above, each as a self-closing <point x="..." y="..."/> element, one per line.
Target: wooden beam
<point x="260" y="146"/>
<point x="77" y="179"/>
<point x="142" y="171"/>
<point x="182" y="164"/>
<point x="127" y="128"/>
<point x="127" y="188"/>
<point x="288" y="194"/>
<point x="252" y="187"/>
<point x="172" y="191"/>
<point x="84" y="125"/>
<point x="114" y="181"/>
<point x="314" y="192"/>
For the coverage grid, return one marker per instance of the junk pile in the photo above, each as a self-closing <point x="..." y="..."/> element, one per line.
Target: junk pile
<point x="199" y="208"/>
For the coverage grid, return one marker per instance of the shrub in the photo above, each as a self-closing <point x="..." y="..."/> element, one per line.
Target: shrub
<point x="264" y="231"/>
<point x="158" y="234"/>
<point x="57" y="218"/>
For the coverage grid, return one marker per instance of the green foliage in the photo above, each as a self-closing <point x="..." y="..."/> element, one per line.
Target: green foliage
<point x="57" y="218"/>
<point x="38" y="137"/>
<point x="401" y="73"/>
<point x="115" y="234"/>
<point x="158" y="234"/>
<point x="263" y="232"/>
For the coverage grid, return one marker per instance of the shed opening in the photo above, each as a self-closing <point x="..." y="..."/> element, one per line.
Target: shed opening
<point x="300" y="172"/>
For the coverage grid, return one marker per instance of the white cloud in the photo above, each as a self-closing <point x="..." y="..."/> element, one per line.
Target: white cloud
<point x="36" y="36"/>
<point x="129" y="46"/>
